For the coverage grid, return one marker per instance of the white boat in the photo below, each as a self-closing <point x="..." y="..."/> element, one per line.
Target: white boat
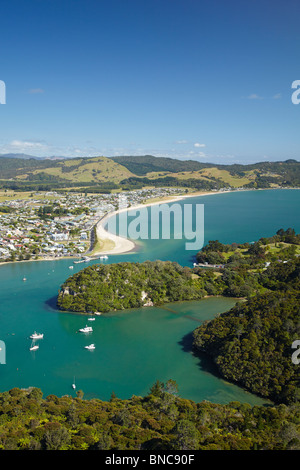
<point x="24" y="279"/>
<point x="86" y="329"/>
<point x="34" y="347"/>
<point x="90" y="346"/>
<point x="103" y="257"/>
<point x="71" y="267"/>
<point x="73" y="384"/>
<point x="91" y="319"/>
<point x="37" y="335"/>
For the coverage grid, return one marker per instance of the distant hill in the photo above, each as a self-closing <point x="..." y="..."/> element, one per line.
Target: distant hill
<point x="189" y="172"/>
<point x="27" y="157"/>
<point x="21" y="171"/>
<point x="147" y="164"/>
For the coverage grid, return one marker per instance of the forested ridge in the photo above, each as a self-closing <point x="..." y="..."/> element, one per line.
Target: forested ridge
<point x="159" y="421"/>
<point x="252" y="343"/>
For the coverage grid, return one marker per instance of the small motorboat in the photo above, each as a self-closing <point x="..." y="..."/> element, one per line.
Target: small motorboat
<point x="34" y="347"/>
<point x="90" y="346"/>
<point x="86" y="329"/>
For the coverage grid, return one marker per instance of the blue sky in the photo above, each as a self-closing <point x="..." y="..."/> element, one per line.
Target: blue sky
<point x="194" y="79"/>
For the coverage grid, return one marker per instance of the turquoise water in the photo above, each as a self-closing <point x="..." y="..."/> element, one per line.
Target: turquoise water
<point x="137" y="347"/>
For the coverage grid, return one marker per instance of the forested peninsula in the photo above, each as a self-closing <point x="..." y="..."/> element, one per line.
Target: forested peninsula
<point x="236" y="270"/>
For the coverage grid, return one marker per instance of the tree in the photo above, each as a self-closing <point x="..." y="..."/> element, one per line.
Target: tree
<point x="187" y="436"/>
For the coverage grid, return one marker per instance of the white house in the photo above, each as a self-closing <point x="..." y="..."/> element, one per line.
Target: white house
<point x="60" y="236"/>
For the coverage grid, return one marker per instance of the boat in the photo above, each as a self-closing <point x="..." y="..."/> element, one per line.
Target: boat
<point x="24" y="279"/>
<point x="103" y="257"/>
<point x="73" y="384"/>
<point x="34" y="347"/>
<point x="86" y="329"/>
<point x="79" y="261"/>
<point x="90" y="346"/>
<point x="37" y="335"/>
<point x="91" y="319"/>
<point x="71" y="267"/>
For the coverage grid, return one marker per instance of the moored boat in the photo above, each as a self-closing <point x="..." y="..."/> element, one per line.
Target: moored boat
<point x="86" y="329"/>
<point x="36" y="335"/>
<point x="33" y="347"/>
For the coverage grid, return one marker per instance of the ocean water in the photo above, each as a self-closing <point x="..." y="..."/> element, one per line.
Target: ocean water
<point x="136" y="347"/>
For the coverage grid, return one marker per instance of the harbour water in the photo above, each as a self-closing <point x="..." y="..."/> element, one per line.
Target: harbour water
<point x="137" y="347"/>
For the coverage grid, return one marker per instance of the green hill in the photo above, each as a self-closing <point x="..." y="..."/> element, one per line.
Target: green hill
<point x="129" y="172"/>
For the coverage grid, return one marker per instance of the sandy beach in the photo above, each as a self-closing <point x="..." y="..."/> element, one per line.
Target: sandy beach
<point x="121" y="245"/>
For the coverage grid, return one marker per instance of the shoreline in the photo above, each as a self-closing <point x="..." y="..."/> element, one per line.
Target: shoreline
<point x="124" y="245"/>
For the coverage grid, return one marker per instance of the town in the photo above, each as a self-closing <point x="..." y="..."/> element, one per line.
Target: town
<point x="51" y="225"/>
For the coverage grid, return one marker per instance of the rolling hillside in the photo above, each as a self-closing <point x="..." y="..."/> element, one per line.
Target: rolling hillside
<point x="135" y="172"/>
<point x="98" y="169"/>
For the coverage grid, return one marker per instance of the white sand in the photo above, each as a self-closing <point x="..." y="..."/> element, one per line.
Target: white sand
<point x="124" y="245"/>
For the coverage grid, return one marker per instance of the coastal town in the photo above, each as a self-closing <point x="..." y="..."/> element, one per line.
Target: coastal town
<point x="51" y="225"/>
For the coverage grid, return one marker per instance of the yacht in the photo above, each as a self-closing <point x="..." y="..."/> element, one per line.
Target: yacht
<point x="37" y="335"/>
<point x="90" y="346"/>
<point x="86" y="329"/>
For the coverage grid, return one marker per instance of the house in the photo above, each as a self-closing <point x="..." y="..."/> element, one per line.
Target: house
<point x="60" y="236"/>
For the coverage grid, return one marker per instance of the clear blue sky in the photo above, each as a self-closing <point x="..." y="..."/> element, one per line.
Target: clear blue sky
<point x="202" y="79"/>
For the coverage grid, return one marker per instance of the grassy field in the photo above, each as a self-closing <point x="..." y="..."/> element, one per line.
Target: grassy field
<point x="102" y="245"/>
<point x="271" y="248"/>
<point x="100" y="169"/>
<point x="207" y="174"/>
<point x="9" y="195"/>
